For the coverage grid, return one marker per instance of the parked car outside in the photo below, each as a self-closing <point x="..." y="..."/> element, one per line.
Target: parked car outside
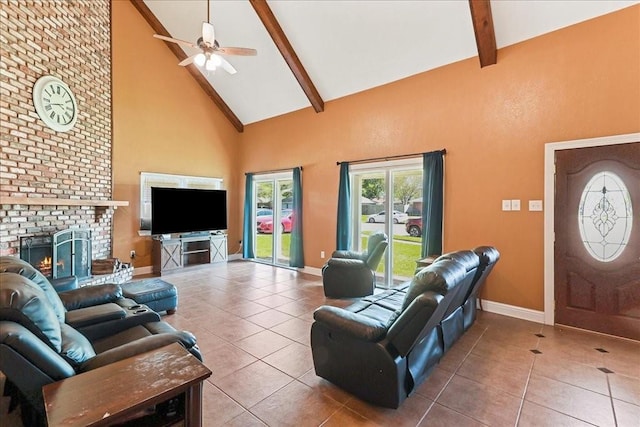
<point x="262" y="215"/>
<point x="266" y="226"/>
<point x="414" y="226"/>
<point x="398" y="217"/>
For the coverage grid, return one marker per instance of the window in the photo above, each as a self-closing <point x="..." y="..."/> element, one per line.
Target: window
<point x="273" y="203"/>
<point x="392" y="186"/>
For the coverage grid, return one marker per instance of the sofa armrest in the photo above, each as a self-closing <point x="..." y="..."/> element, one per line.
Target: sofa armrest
<point x="64" y="284"/>
<point x="90" y="295"/>
<point x="353" y="324"/>
<point x="22" y="351"/>
<point x="96" y="314"/>
<point x="348" y="254"/>
<point x="134" y="348"/>
<point x="133" y="317"/>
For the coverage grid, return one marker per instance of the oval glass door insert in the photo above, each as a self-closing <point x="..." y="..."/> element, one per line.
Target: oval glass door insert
<point x="605" y="216"/>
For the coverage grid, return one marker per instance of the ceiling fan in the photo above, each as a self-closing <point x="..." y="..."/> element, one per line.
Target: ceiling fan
<point x="210" y="55"/>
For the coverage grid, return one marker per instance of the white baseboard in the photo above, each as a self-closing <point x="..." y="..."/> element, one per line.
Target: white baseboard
<point x="234" y="257"/>
<point x="513" y="311"/>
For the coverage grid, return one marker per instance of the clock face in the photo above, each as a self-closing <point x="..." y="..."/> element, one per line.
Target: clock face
<point x="55" y="103"/>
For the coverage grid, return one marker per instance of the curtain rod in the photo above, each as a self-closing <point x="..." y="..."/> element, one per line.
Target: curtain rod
<point x="401" y="156"/>
<point x="274" y="170"/>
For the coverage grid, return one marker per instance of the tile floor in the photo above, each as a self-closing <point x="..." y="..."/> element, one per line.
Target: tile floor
<point x="252" y="323"/>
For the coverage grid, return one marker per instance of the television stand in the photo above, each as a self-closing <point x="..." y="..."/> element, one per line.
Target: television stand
<point x="175" y="254"/>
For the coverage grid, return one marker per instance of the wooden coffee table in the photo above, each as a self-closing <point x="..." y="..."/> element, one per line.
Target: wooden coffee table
<point x="115" y="393"/>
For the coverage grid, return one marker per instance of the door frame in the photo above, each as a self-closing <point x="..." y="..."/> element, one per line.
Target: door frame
<point x="549" y="210"/>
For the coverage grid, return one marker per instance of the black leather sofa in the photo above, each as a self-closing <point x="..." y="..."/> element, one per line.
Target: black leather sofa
<point x="385" y="345"/>
<point x="46" y="336"/>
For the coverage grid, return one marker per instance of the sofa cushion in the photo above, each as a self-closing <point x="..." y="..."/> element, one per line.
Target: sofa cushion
<point x="23" y="268"/>
<point x="363" y="324"/>
<point x="468" y="259"/>
<point x="76" y="348"/>
<point x="25" y="303"/>
<point x="439" y="277"/>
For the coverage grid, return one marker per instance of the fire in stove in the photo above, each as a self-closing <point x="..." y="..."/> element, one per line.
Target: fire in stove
<point x="45" y="266"/>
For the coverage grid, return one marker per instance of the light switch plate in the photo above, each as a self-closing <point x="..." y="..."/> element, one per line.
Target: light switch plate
<point x="535" y="205"/>
<point x="506" y="205"/>
<point x="515" y="204"/>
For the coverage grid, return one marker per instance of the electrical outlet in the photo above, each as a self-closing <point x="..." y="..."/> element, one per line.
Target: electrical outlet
<point x="535" y="205"/>
<point x="322" y="254"/>
<point x="132" y="254"/>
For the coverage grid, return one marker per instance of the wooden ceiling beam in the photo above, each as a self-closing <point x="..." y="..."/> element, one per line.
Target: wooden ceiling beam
<point x="280" y="39"/>
<point x="483" y="29"/>
<point x="158" y="28"/>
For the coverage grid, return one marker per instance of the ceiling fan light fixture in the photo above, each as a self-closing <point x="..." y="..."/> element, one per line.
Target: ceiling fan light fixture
<point x="217" y="61"/>
<point x="210" y="65"/>
<point x="200" y="59"/>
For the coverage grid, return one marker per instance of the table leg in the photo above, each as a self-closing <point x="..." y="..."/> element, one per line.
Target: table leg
<point x="193" y="410"/>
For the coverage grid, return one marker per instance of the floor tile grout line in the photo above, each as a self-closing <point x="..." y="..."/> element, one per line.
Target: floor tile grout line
<point x="613" y="406"/>
<point x="451" y="378"/>
<point x="526" y="384"/>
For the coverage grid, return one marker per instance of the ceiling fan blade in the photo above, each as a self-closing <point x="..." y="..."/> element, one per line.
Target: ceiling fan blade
<point x="226" y="66"/>
<point x="172" y="40"/>
<point x="188" y="60"/>
<point x="208" y="35"/>
<point x="243" y="51"/>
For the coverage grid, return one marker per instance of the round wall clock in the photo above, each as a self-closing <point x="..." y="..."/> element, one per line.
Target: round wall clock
<point x="55" y="103"/>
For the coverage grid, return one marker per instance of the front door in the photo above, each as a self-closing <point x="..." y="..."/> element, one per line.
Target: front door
<point x="597" y="239"/>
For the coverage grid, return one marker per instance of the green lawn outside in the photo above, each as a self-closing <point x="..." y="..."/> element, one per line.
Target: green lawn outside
<point x="405" y="255"/>
<point x="406" y="249"/>
<point x="264" y="245"/>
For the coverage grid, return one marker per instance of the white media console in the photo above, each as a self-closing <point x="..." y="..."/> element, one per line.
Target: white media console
<point x="175" y="253"/>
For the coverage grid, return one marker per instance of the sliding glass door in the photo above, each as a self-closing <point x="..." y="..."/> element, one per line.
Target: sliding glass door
<point x="389" y="200"/>
<point x="273" y="200"/>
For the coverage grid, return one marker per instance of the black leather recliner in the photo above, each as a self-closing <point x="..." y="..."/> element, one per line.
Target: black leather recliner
<point x="489" y="256"/>
<point x="350" y="274"/>
<point x="38" y="346"/>
<point x="384" y="346"/>
<point x="95" y="311"/>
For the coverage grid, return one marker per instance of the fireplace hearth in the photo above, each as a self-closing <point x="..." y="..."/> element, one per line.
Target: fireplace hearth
<point x="62" y="254"/>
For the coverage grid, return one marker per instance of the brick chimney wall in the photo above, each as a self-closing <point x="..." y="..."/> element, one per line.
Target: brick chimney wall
<point x="72" y="41"/>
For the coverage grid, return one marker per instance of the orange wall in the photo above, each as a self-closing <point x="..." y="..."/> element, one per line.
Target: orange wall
<point x="578" y="82"/>
<point x="162" y="122"/>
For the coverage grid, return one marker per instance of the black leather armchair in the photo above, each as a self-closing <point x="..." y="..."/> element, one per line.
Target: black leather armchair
<point x="39" y="346"/>
<point x="351" y="274"/>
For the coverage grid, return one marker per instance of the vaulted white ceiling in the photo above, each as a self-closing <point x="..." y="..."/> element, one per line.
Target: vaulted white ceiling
<point x="349" y="46"/>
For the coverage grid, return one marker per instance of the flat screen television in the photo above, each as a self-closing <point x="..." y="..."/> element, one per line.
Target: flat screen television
<point x="185" y="210"/>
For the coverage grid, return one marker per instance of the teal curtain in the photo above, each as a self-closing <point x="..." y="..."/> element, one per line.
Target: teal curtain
<point x="248" y="226"/>
<point x="343" y="231"/>
<point x="296" y="252"/>
<point x="432" y="202"/>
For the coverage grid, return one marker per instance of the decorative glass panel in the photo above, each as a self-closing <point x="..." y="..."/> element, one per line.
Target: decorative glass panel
<point x="605" y="216"/>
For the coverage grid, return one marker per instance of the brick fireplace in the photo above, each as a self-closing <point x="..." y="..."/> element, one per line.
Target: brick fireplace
<point x="69" y="40"/>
